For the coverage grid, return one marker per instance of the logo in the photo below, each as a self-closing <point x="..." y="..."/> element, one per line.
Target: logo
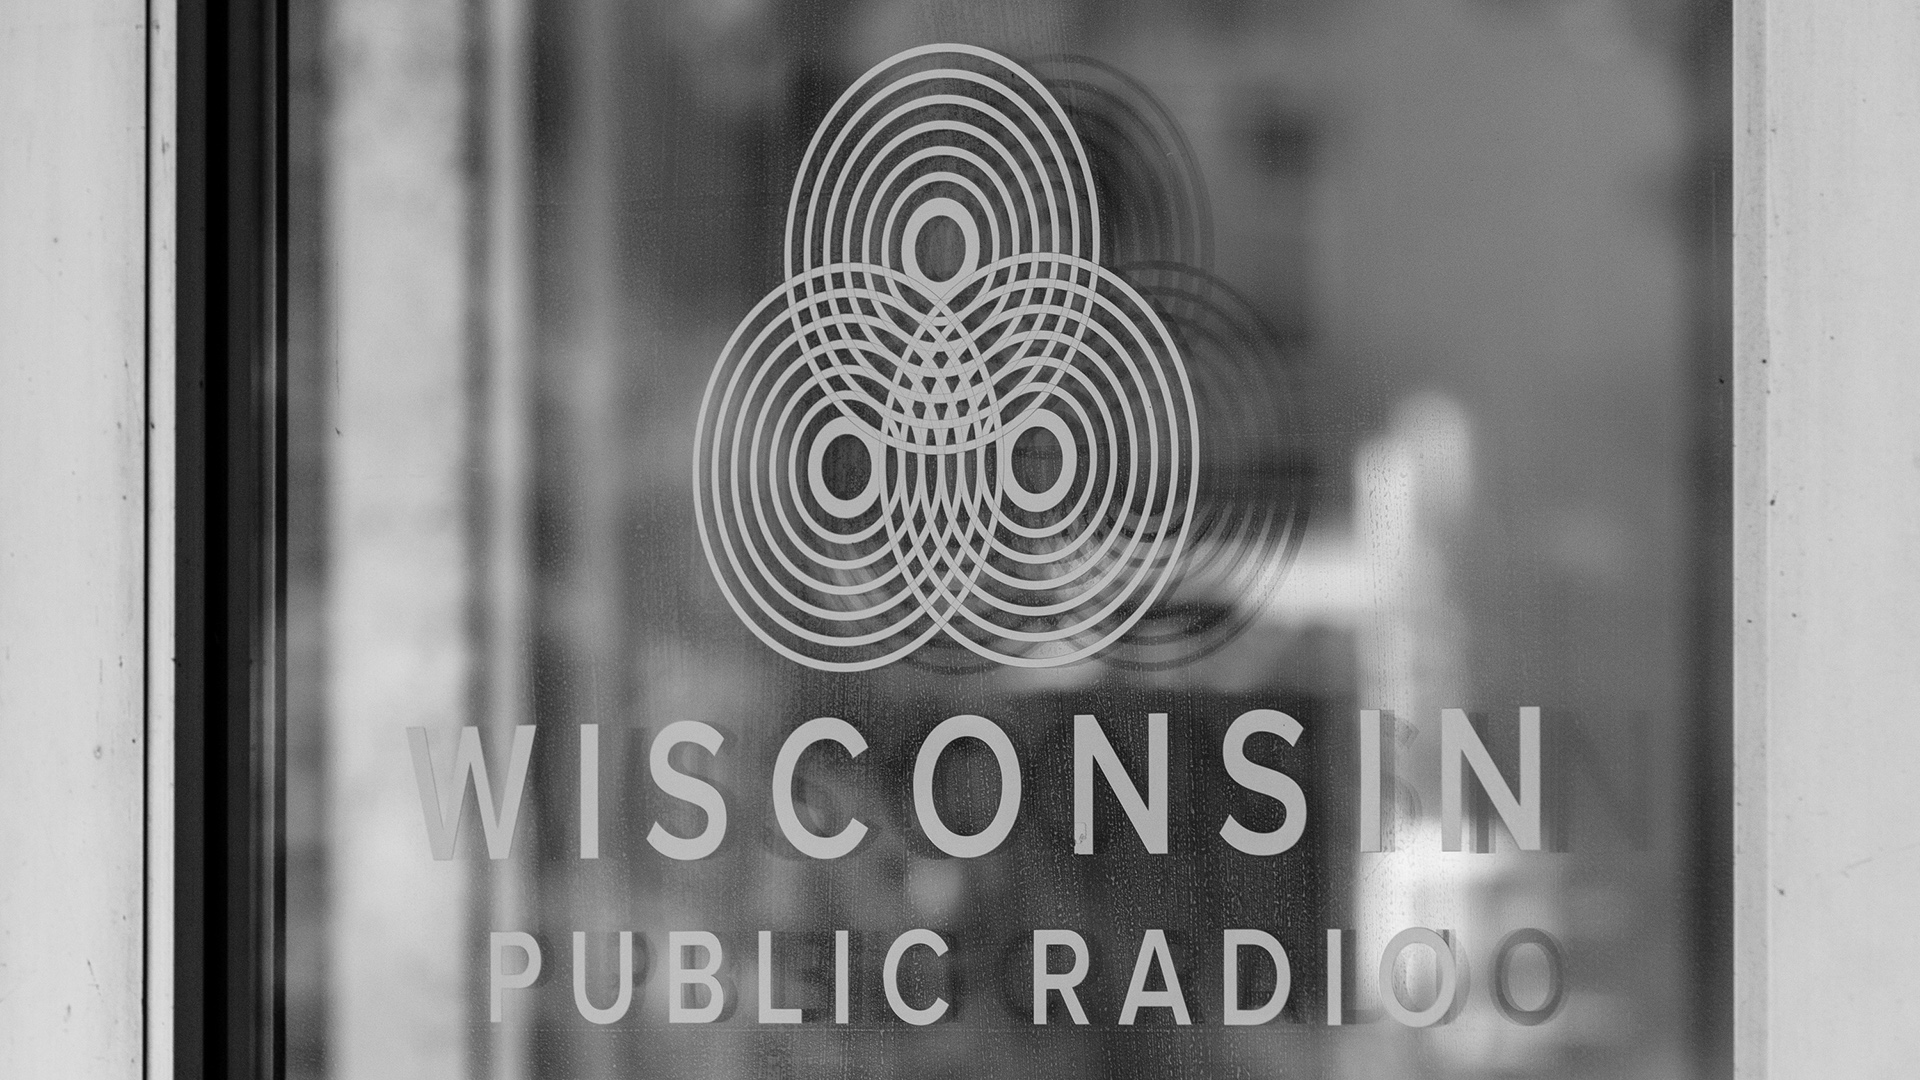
<point x="952" y="425"/>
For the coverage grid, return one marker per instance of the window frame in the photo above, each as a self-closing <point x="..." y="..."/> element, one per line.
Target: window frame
<point x="216" y="214"/>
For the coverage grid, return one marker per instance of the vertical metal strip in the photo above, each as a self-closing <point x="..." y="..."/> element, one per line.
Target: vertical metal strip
<point x="1750" y="557"/>
<point x="162" y="146"/>
<point x="225" y="476"/>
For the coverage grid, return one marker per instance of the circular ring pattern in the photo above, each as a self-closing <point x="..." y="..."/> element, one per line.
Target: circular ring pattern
<point x="940" y="375"/>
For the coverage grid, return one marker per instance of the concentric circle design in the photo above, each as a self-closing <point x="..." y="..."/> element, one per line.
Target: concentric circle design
<point x="1251" y="507"/>
<point x="950" y="424"/>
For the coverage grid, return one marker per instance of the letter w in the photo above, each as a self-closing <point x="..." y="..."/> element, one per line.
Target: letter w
<point x="470" y="767"/>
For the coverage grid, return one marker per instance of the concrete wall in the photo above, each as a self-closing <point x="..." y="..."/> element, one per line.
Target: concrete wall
<point x="1827" y="552"/>
<point x="73" y="545"/>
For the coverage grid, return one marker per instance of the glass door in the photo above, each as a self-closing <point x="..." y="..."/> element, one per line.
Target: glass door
<point x="971" y="539"/>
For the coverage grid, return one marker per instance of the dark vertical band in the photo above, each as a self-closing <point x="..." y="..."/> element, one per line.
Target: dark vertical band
<point x="1707" y="57"/>
<point x="231" y="169"/>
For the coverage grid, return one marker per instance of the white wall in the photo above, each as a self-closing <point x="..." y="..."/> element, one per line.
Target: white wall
<point x="1828" y="537"/>
<point x="73" y="161"/>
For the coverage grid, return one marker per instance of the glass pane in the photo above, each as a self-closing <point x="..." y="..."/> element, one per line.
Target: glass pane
<point x="1029" y="538"/>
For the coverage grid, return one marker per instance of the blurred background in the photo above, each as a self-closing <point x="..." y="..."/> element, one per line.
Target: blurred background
<point x="1486" y="241"/>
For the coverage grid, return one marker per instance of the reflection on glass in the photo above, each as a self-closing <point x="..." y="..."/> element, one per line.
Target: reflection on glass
<point x="990" y="568"/>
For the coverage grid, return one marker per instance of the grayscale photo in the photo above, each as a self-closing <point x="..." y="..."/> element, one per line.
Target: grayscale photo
<point x="709" y="539"/>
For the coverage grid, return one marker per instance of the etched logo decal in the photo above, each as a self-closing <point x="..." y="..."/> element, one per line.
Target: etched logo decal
<point x="950" y="425"/>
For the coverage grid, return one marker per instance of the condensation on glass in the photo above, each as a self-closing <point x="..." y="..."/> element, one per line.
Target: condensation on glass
<point x="1071" y="539"/>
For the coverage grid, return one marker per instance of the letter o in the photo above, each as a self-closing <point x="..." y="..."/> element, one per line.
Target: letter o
<point x="1556" y="960"/>
<point x="1444" y="967"/>
<point x="989" y="838"/>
